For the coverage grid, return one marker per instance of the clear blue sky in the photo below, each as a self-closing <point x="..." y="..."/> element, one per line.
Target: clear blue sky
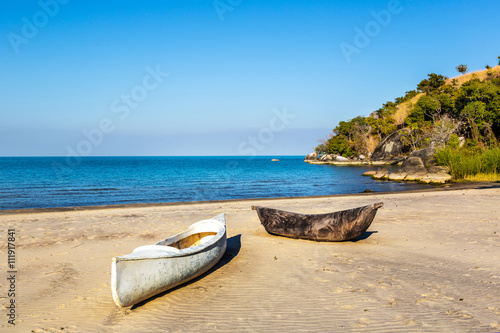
<point x="233" y="66"/>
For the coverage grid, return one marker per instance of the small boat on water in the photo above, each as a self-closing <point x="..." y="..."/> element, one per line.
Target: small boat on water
<point x="153" y="269"/>
<point x="332" y="227"/>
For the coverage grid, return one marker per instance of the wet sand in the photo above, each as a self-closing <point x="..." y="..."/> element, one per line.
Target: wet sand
<point x="430" y="262"/>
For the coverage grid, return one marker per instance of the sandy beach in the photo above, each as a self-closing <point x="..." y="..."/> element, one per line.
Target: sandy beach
<point x="430" y="262"/>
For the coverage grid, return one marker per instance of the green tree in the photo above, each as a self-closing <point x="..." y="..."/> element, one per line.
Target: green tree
<point x="382" y="126"/>
<point x="475" y="114"/>
<point x="434" y="82"/>
<point x="499" y="60"/>
<point x="462" y="69"/>
<point x="475" y="90"/>
<point x="423" y="112"/>
<point x="446" y="102"/>
<point x="474" y="110"/>
<point x="339" y="145"/>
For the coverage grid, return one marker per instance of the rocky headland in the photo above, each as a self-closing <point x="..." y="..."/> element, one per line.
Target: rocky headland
<point x="416" y="167"/>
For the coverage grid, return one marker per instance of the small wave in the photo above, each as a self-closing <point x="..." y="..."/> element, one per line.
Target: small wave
<point x="86" y="190"/>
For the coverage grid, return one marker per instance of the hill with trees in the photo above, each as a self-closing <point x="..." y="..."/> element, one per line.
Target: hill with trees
<point x="459" y="116"/>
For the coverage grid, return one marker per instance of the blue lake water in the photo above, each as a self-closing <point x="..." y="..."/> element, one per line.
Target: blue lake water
<point x="43" y="182"/>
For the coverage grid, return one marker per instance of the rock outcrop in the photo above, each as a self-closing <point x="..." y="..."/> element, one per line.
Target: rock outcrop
<point x="389" y="149"/>
<point x="398" y="177"/>
<point x="417" y="167"/>
<point x="435" y="178"/>
<point x="381" y="174"/>
<point x="413" y="164"/>
<point x="336" y="159"/>
<point x="327" y="158"/>
<point x="311" y="157"/>
<point x="425" y="155"/>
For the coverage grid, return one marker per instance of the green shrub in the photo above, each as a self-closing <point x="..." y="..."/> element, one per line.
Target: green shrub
<point x="453" y="141"/>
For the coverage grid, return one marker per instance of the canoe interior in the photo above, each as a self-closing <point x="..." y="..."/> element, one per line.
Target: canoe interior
<point x="192" y="240"/>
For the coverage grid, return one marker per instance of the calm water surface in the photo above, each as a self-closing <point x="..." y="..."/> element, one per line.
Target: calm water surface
<point x="43" y="182"/>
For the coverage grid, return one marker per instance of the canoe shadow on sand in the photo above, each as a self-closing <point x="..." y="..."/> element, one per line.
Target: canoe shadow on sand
<point x="233" y="247"/>
<point x="364" y="236"/>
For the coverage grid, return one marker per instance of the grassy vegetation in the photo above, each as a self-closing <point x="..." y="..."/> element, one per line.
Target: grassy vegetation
<point x="484" y="177"/>
<point x="471" y="164"/>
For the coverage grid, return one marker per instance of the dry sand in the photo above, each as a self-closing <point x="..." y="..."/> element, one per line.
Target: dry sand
<point x="429" y="263"/>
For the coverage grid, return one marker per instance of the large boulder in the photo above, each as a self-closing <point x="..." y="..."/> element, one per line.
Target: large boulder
<point x="388" y="149"/>
<point x="341" y="159"/>
<point x="425" y="155"/>
<point x="397" y="176"/>
<point x="381" y="174"/>
<point x="435" y="178"/>
<point x="414" y="177"/>
<point x="327" y="158"/>
<point x="311" y="157"/>
<point x="419" y="167"/>
<point x="413" y="164"/>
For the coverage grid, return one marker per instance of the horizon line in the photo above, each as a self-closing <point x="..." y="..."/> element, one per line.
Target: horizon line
<point x="27" y="156"/>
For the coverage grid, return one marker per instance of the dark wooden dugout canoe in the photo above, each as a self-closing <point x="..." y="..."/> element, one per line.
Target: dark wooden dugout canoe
<point x="332" y="227"/>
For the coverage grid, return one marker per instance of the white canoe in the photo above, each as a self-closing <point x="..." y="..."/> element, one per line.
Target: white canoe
<point x="153" y="269"/>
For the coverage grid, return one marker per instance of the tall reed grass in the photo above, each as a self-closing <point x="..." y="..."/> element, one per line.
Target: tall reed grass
<point x="470" y="164"/>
